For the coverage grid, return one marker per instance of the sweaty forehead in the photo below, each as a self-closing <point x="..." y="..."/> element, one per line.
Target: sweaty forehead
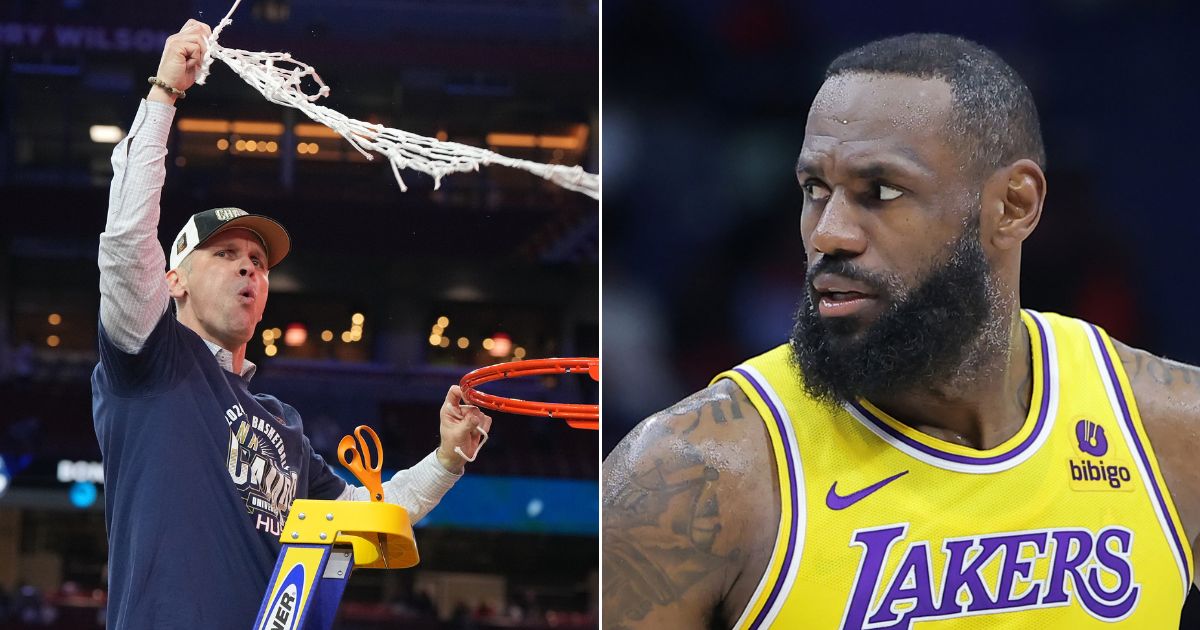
<point x="860" y="115"/>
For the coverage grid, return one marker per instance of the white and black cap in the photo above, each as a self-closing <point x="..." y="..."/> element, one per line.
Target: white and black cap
<point x="205" y="225"/>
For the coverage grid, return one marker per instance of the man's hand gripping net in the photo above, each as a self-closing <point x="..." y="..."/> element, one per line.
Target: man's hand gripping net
<point x="278" y="76"/>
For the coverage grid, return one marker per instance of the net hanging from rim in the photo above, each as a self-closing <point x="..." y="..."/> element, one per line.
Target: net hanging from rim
<point x="277" y="76"/>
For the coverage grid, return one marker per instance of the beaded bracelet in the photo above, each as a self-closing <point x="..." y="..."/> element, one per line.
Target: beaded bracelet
<point x="162" y="84"/>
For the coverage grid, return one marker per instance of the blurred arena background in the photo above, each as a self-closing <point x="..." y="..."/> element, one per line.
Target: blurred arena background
<point x="704" y="110"/>
<point x="386" y="300"/>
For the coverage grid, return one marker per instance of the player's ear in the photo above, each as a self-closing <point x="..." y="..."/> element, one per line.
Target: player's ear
<point x="1013" y="203"/>
<point x="177" y="283"/>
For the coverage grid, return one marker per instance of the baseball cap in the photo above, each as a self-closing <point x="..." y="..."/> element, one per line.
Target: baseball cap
<point x="205" y="225"/>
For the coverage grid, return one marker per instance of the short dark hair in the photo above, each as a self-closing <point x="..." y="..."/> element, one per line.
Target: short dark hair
<point x="992" y="107"/>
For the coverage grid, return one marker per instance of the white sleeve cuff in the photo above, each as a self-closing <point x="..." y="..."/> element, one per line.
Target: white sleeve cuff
<point x="153" y="122"/>
<point x="418" y="489"/>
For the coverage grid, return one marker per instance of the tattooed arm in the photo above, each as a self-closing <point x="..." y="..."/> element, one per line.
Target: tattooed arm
<point x="1168" y="398"/>
<point x="691" y="510"/>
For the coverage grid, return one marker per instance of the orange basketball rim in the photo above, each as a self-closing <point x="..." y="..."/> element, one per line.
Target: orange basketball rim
<point x="579" y="416"/>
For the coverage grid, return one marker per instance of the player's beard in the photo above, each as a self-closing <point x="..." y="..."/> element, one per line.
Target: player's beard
<point x="933" y="336"/>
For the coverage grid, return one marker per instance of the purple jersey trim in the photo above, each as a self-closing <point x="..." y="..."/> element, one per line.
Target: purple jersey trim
<point x="791" y="467"/>
<point x="979" y="461"/>
<point x="1127" y="418"/>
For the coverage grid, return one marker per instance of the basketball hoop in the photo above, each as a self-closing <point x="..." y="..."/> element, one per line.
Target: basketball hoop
<point x="578" y="416"/>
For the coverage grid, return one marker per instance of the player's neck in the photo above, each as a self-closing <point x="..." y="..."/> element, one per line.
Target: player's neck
<point x="237" y="352"/>
<point x="239" y="357"/>
<point x="237" y="349"/>
<point x="986" y="406"/>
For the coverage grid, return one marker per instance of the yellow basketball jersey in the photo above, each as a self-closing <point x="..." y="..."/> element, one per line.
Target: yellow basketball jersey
<point x="1067" y="524"/>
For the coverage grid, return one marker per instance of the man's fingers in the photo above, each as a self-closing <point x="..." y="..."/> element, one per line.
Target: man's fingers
<point x="192" y="45"/>
<point x="480" y="425"/>
<point x="483" y="421"/>
<point x="479" y="431"/>
<point x="196" y="26"/>
<point x="185" y="49"/>
<point x="474" y="416"/>
<point x="190" y="52"/>
<point x="188" y="37"/>
<point x="454" y="395"/>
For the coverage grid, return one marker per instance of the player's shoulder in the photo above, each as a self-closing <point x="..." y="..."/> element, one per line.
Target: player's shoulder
<point x="1167" y="394"/>
<point x="718" y="410"/>
<point x="708" y="426"/>
<point x="689" y="509"/>
<point x="1166" y="391"/>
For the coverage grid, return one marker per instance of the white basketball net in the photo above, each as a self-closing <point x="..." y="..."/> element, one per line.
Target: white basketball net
<point x="281" y="84"/>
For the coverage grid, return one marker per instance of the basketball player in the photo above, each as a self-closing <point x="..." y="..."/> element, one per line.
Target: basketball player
<point x="199" y="472"/>
<point x="922" y="452"/>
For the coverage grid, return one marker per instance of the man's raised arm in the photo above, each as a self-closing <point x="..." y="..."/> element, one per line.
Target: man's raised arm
<point x="133" y="289"/>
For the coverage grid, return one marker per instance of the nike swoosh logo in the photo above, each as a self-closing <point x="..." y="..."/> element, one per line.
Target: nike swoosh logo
<point x="836" y="501"/>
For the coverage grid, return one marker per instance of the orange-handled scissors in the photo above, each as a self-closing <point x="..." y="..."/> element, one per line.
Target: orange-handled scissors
<point x="357" y="458"/>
